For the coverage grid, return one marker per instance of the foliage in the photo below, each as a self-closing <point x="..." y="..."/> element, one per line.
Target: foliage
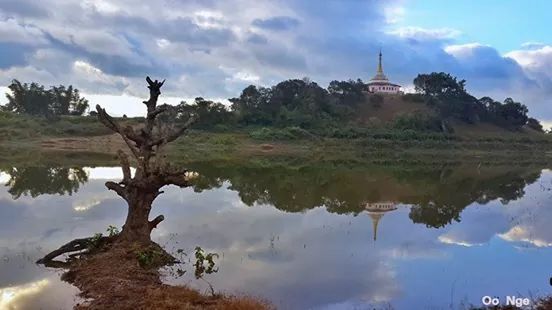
<point x="413" y="97"/>
<point x="376" y="100"/>
<point x="288" y="133"/>
<point x="419" y="122"/>
<point x="205" y="263"/>
<point x="449" y="96"/>
<point x="112" y="231"/>
<point x="149" y="257"/>
<point x="534" y="124"/>
<point x="300" y="103"/>
<point x="95" y="241"/>
<point x="510" y="114"/>
<point x="209" y="113"/>
<point x="34" y="99"/>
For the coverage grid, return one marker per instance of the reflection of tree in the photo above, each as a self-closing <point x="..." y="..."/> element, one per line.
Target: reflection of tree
<point x="437" y="195"/>
<point x="35" y="181"/>
<point x="445" y="198"/>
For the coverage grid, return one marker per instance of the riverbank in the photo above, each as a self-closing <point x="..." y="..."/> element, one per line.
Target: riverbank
<point x="377" y="148"/>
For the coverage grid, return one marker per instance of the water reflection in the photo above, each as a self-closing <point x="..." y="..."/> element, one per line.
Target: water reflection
<point x="35" y="181"/>
<point x="437" y="196"/>
<point x="318" y="236"/>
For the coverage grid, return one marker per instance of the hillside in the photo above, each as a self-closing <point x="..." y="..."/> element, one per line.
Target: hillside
<point x="383" y="114"/>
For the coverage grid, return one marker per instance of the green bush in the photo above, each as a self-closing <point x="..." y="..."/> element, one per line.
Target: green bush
<point x="417" y="122"/>
<point x="288" y="133"/>
<point x="413" y="98"/>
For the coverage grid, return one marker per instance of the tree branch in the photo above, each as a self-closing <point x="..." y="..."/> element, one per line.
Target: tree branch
<point x="175" y="134"/>
<point x="153" y="223"/>
<point x="110" y="123"/>
<point x="125" y="166"/>
<point x="120" y="190"/>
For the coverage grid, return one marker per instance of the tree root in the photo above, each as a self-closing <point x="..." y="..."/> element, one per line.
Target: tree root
<point x="80" y="246"/>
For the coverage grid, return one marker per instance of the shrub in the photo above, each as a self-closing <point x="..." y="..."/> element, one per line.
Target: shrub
<point x="417" y="122"/>
<point x="376" y="100"/>
<point x="288" y="133"/>
<point x="413" y="98"/>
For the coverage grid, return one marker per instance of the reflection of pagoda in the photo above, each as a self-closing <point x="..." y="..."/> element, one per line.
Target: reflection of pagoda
<point x="376" y="211"/>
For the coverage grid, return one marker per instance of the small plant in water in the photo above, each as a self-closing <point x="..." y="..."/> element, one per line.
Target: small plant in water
<point x="112" y="230"/>
<point x="205" y="264"/>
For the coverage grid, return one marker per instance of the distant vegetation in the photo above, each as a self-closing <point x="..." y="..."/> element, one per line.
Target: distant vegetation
<point x="300" y="108"/>
<point x="34" y="99"/>
<point x="304" y="104"/>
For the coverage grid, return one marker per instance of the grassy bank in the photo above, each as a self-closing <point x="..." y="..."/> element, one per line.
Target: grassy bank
<point x="22" y="137"/>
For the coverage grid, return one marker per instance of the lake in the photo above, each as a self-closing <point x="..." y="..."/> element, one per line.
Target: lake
<point x="302" y="235"/>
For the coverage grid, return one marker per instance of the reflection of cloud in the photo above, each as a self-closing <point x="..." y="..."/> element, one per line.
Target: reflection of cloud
<point x="81" y="205"/>
<point x="11" y="297"/>
<point x="520" y="234"/>
<point x="4" y="178"/>
<point x="104" y="173"/>
<point x="450" y="240"/>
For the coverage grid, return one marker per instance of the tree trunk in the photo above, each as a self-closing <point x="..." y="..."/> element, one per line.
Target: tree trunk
<point x="137" y="226"/>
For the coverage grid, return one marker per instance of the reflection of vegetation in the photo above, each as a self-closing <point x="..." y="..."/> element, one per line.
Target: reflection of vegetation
<point x="35" y="181"/>
<point x="437" y="195"/>
<point x="446" y="199"/>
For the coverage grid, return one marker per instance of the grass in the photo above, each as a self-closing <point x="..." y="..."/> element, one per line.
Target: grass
<point x="22" y="137"/>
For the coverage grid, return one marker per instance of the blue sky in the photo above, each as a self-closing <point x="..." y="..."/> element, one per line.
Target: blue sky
<point x="505" y="25"/>
<point x="215" y="48"/>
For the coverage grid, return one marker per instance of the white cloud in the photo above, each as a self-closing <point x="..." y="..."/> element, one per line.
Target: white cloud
<point x="394" y="14"/>
<point x="15" y="32"/>
<point x="452" y="240"/>
<point x="521" y="234"/>
<point x="463" y="50"/>
<point x="539" y="59"/>
<point x="532" y="45"/>
<point x="419" y="33"/>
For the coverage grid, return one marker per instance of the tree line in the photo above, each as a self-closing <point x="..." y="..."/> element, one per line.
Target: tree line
<point x="449" y="97"/>
<point x="34" y="99"/>
<point x="305" y="104"/>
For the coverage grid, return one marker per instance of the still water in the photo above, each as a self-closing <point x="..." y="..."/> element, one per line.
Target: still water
<point x="304" y="236"/>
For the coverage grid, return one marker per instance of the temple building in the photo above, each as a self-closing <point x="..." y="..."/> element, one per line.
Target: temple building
<point x="380" y="83"/>
<point x="376" y="211"/>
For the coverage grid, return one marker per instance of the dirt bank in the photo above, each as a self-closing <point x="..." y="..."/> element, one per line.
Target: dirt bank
<point x="112" y="278"/>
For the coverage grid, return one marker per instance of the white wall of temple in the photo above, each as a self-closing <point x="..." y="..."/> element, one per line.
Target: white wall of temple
<point x="384" y="89"/>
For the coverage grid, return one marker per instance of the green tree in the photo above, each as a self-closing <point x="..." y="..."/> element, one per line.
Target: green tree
<point x="34" y="99"/>
<point x="534" y="124"/>
<point x="30" y="99"/>
<point x="67" y="101"/>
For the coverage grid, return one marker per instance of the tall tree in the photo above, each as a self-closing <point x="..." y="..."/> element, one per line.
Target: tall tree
<point x="67" y="101"/>
<point x="34" y="99"/>
<point x="30" y="99"/>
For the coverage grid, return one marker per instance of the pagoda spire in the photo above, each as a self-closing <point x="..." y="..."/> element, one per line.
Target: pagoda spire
<point x="380" y="67"/>
<point x="375" y="220"/>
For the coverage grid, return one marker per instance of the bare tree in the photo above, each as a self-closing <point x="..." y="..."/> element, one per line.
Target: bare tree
<point x="152" y="170"/>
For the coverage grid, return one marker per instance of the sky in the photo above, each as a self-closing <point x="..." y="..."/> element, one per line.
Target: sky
<point x="215" y="48"/>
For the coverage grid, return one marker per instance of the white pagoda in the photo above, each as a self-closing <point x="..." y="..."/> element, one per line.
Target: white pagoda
<point x="380" y="83"/>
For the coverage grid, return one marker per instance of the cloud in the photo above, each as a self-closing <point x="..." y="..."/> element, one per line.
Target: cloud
<point x="276" y="23"/>
<point x="112" y="45"/>
<point x="419" y="33"/>
<point x="14" y="32"/>
<point x="521" y="234"/>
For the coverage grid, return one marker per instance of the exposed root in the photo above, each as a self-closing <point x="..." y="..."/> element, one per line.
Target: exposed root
<point x="80" y="246"/>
